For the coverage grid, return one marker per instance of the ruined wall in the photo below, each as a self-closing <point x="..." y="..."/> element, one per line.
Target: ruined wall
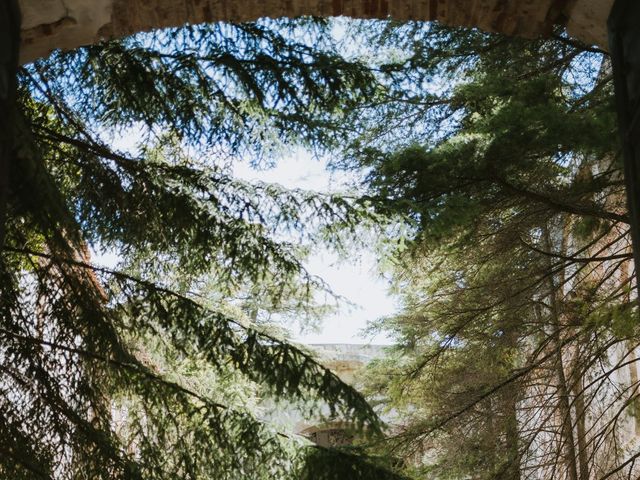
<point x="50" y="24"/>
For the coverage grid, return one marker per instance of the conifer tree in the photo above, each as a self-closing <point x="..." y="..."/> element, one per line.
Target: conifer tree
<point x="75" y="337"/>
<point x="518" y="325"/>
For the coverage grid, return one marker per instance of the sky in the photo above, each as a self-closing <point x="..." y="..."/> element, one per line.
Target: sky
<point x="355" y="280"/>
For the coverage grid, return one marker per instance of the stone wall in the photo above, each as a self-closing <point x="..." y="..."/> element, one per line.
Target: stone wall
<point x="67" y="24"/>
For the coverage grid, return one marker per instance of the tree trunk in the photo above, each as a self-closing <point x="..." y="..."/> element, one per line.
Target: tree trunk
<point x="9" y="50"/>
<point x="511" y="433"/>
<point x="564" y="408"/>
<point x="564" y="405"/>
<point x="581" y="431"/>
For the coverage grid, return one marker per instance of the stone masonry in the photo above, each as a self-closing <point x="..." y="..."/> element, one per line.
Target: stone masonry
<point x="67" y="24"/>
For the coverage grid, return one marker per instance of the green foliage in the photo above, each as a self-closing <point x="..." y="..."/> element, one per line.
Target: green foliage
<point x="516" y="138"/>
<point x="97" y="368"/>
<point x="500" y="155"/>
<point x="347" y="463"/>
<point x="506" y="168"/>
<point x="237" y="87"/>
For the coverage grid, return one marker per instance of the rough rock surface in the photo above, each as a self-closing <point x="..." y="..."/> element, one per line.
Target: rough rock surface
<point x="587" y="20"/>
<point x="66" y="24"/>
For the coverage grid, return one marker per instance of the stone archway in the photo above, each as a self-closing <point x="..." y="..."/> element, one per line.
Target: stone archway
<point x="67" y="24"/>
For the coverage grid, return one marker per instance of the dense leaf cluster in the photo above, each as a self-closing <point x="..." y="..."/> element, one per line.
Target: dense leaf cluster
<point x="518" y="327"/>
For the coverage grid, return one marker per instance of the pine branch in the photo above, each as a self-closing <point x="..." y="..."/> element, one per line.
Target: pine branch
<point x="318" y="378"/>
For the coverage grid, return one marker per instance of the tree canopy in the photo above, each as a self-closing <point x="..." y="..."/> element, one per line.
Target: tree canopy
<point x="516" y="343"/>
<point x="83" y="345"/>
<point x="492" y="173"/>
